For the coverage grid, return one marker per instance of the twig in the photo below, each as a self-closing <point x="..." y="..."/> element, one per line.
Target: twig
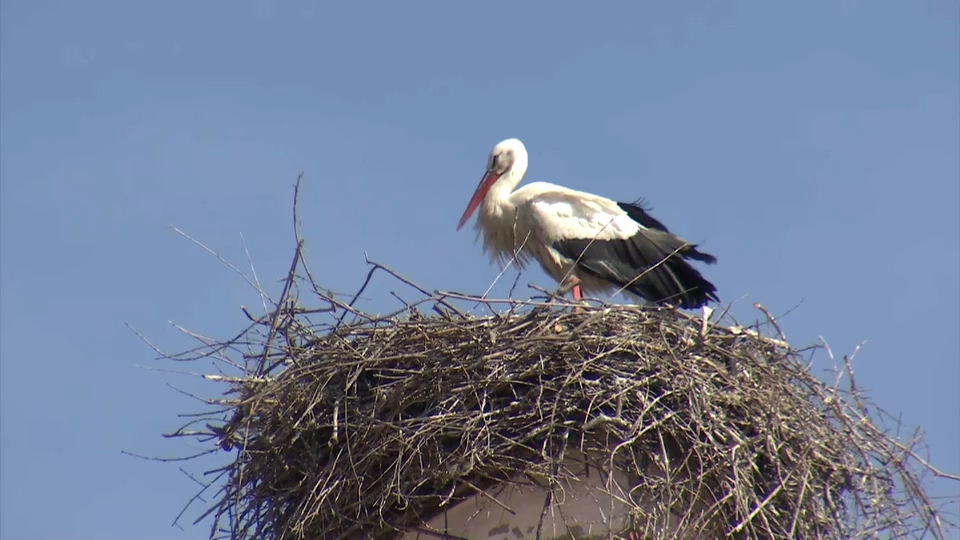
<point x="221" y="259"/>
<point x="263" y="369"/>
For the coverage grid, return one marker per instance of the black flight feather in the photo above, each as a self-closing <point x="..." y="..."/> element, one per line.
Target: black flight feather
<point x="637" y="210"/>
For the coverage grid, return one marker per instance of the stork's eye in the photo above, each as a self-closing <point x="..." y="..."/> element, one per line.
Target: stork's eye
<point x="506" y="160"/>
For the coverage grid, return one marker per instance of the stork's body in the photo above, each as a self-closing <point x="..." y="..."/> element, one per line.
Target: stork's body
<point x="587" y="243"/>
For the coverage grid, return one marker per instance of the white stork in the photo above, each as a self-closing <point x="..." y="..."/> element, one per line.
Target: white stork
<point x="581" y="240"/>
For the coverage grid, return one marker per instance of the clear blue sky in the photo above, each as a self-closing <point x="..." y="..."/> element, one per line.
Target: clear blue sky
<point x="814" y="147"/>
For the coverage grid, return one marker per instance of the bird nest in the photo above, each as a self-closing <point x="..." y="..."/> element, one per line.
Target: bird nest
<point x="343" y="424"/>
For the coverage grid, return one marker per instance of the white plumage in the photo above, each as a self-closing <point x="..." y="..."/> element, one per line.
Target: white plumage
<point x="585" y="242"/>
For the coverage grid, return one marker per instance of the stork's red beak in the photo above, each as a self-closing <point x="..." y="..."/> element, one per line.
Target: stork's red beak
<point x="485" y="183"/>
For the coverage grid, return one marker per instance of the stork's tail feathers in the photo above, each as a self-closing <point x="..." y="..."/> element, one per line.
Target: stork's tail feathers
<point x="685" y="285"/>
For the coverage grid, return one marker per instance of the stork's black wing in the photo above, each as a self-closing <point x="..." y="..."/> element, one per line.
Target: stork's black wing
<point x="652" y="263"/>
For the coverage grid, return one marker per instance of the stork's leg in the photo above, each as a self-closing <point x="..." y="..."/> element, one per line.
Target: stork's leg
<point x="577" y="297"/>
<point x="572" y="284"/>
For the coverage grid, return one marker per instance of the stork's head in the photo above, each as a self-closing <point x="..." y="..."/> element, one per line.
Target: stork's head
<point x="507" y="164"/>
<point x="503" y="155"/>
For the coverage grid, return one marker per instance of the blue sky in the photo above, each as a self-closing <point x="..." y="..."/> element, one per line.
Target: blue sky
<point x="814" y="147"/>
